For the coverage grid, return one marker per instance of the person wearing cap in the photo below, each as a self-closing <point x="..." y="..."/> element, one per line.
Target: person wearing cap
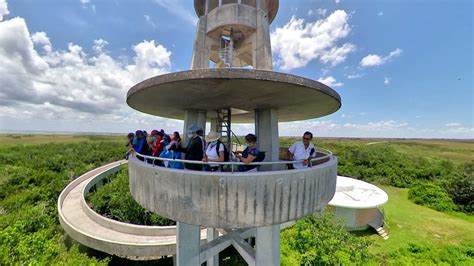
<point x="194" y="151"/>
<point x="214" y="151"/>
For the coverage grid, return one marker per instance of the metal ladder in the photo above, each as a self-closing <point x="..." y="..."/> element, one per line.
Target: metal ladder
<point x="224" y="127"/>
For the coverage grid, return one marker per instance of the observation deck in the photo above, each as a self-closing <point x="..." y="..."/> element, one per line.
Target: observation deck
<point x="233" y="199"/>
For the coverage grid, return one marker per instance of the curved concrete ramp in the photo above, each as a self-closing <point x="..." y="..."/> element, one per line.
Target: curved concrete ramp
<point x="103" y="234"/>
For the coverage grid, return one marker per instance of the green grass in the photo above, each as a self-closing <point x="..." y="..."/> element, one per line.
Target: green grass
<point x="411" y="223"/>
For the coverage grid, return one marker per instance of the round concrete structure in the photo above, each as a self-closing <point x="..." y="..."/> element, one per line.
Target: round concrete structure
<point x="232" y="200"/>
<point x="295" y="98"/>
<point x="356" y="202"/>
<point x="271" y="6"/>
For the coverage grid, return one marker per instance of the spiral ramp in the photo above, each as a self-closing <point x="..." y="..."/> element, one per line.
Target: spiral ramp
<point x="107" y="235"/>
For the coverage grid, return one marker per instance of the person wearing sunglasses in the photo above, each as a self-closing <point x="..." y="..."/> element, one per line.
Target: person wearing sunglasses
<point x="302" y="150"/>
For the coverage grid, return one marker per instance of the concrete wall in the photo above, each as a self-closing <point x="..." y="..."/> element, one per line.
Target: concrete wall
<point x="239" y="200"/>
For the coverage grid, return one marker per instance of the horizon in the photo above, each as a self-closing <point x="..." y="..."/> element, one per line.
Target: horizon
<point x="74" y="78"/>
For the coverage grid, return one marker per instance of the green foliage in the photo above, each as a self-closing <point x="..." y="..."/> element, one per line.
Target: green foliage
<point x="319" y="240"/>
<point x="431" y="195"/>
<point x="114" y="200"/>
<point x="31" y="179"/>
<point x="426" y="254"/>
<point x="461" y="188"/>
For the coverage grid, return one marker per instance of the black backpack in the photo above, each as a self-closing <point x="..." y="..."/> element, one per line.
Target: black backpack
<point x="260" y="156"/>
<point x="226" y="152"/>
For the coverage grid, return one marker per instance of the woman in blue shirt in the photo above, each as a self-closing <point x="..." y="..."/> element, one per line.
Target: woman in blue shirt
<point x="249" y="155"/>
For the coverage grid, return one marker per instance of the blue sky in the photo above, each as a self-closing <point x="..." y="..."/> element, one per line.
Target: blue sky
<point x="403" y="68"/>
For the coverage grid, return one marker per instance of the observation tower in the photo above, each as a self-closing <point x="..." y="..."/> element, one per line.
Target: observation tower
<point x="231" y="81"/>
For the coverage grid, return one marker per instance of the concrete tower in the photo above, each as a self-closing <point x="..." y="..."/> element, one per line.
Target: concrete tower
<point x="231" y="81"/>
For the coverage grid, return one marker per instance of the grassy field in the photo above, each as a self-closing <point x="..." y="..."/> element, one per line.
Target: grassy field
<point x="14" y="139"/>
<point x="409" y="222"/>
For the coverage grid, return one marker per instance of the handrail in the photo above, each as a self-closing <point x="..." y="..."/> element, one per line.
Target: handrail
<point x="327" y="153"/>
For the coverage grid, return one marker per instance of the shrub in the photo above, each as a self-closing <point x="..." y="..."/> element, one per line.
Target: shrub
<point x="114" y="200"/>
<point x="319" y="240"/>
<point x="461" y="188"/>
<point x="431" y="195"/>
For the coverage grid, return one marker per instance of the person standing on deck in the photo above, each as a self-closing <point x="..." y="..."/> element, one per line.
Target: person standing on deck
<point x="302" y="150"/>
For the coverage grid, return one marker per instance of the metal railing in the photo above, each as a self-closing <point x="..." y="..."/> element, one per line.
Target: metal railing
<point x="151" y="160"/>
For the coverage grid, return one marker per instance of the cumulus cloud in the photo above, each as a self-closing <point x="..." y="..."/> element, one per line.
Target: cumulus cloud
<point x="3" y="9"/>
<point x="297" y="43"/>
<point x="69" y="84"/>
<point x="386" y="81"/>
<point x="377" y="60"/>
<point x="330" y="81"/>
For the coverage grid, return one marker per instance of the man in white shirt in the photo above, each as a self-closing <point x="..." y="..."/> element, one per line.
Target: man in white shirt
<point x="302" y="150"/>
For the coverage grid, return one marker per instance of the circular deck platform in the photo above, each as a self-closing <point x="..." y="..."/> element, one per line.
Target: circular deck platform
<point x="295" y="98"/>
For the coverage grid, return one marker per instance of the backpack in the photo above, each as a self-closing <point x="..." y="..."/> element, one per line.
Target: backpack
<point x="226" y="152"/>
<point x="260" y="156"/>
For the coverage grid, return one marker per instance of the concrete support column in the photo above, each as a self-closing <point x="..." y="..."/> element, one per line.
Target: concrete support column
<point x="212" y="234"/>
<point x="188" y="246"/>
<point x="268" y="245"/>
<point x="193" y="117"/>
<point x="266" y="129"/>
<point x="214" y="124"/>
<point x="200" y="58"/>
<point x="261" y="45"/>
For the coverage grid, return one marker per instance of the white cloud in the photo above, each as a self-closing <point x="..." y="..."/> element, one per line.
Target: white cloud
<point x="330" y="81"/>
<point x="3" y="9"/>
<point x="354" y="76"/>
<point x="337" y="1"/>
<point x="377" y="126"/>
<point x="386" y="81"/>
<point x="150" y="21"/>
<point x="297" y="43"/>
<point x="179" y="10"/>
<point x="453" y="124"/>
<point x="99" y="45"/>
<point x="69" y="86"/>
<point x="376" y="60"/>
<point x="380" y="13"/>
<point x="320" y="11"/>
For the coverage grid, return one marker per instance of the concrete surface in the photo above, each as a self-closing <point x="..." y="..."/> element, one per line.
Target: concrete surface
<point x="233" y="200"/>
<point x="269" y="6"/>
<point x="103" y="234"/>
<point x="294" y="98"/>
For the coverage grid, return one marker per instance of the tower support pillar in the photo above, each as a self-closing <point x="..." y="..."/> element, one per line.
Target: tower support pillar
<point x="188" y="246"/>
<point x="268" y="245"/>
<point x="266" y="129"/>
<point x="194" y="117"/>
